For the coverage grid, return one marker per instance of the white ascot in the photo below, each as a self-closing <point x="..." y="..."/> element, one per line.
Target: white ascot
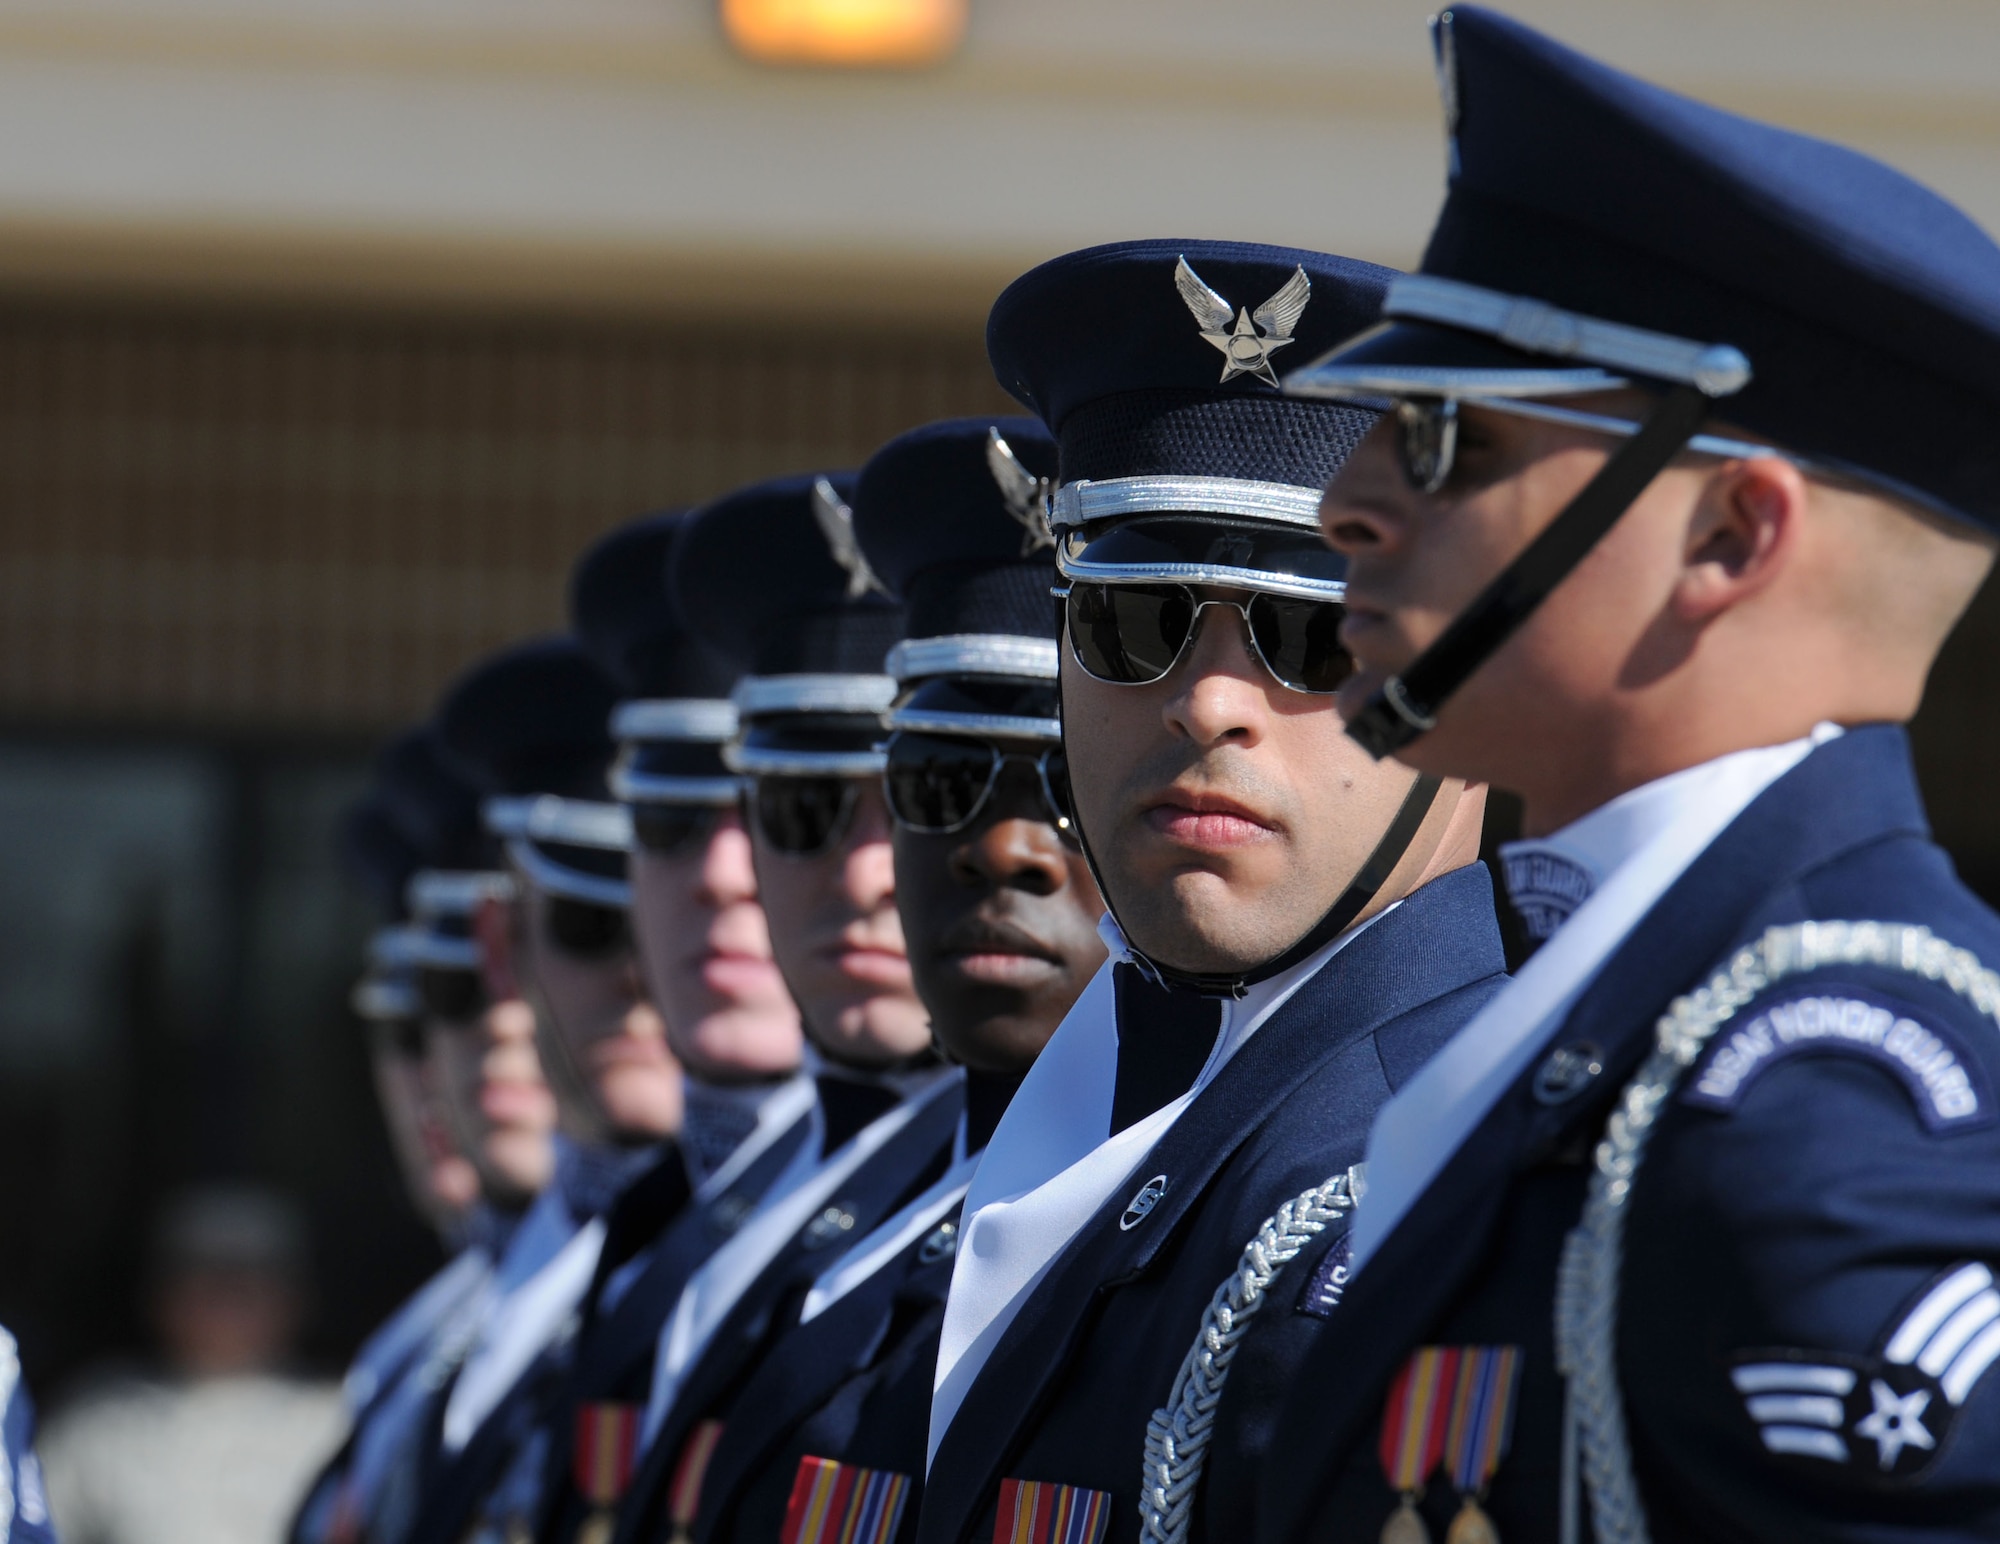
<point x="527" y="1311"/>
<point x="1050" y="1168"/>
<point x="1640" y="843"/>
<point x="808" y="1184"/>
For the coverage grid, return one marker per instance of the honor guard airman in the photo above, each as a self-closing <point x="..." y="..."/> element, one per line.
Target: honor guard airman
<point x="1293" y="927"/>
<point x="772" y="578"/>
<point x="1689" y="471"/>
<point x="1000" y="918"/>
<point x="417" y="840"/>
<point x="705" y="947"/>
<point x="529" y="727"/>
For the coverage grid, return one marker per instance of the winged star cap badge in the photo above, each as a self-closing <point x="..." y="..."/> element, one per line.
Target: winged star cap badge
<point x="1026" y="495"/>
<point x="1247" y="346"/>
<point x="836" y="524"/>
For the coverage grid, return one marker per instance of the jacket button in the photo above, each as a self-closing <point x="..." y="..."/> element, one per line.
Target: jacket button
<point x="1567" y="1072"/>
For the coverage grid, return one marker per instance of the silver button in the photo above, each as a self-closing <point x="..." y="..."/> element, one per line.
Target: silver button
<point x="1567" y="1072"/>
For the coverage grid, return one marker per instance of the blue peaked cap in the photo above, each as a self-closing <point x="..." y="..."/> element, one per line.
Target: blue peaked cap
<point x="1102" y="346"/>
<point x="758" y="582"/>
<point x="532" y="719"/>
<point x="1868" y="307"/>
<point x="433" y="806"/>
<point x="622" y="612"/>
<point x="938" y="526"/>
<point x="376" y="854"/>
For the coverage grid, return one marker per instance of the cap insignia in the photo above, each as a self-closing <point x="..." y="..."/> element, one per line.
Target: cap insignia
<point x="1026" y="495"/>
<point x="836" y="524"/>
<point x="1246" y="350"/>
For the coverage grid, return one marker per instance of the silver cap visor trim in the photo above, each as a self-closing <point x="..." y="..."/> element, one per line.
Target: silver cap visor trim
<point x="758" y="695"/>
<point x="681" y="720"/>
<point x="383" y="1002"/>
<point x="1000" y="654"/>
<point x="558" y="879"/>
<point x="666" y="788"/>
<point x="765" y="761"/>
<point x="978" y="725"/>
<point x="1201" y="573"/>
<point x="455" y="892"/>
<point x="574" y="822"/>
<point x="1080" y="503"/>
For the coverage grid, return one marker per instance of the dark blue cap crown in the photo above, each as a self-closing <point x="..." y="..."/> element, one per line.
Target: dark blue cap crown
<point x="431" y="802"/>
<point x="532" y="719"/>
<point x="763" y="582"/>
<point x="1106" y="347"/>
<point x="1867" y="306"/>
<point x="377" y="855"/>
<point x="624" y="614"/>
<point x="951" y="517"/>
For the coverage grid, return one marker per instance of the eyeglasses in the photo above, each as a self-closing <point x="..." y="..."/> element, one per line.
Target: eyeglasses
<point x="803" y="817"/>
<point x="1427" y="436"/>
<point x="675" y="830"/>
<point x="1134" y="634"/>
<point x="937" y="785"/>
<point x="583" y="929"/>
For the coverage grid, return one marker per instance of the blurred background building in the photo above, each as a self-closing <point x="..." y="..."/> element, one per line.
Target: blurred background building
<point x="331" y="330"/>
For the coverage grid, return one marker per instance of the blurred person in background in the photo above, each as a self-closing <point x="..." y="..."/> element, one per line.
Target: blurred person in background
<point x="415" y="820"/>
<point x="1000" y="915"/>
<point x="531" y="727"/>
<point x="771" y="578"/>
<point x="706" y="948"/>
<point x="213" y="1443"/>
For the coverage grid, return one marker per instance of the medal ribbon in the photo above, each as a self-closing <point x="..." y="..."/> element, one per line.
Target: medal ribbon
<point x="1042" y="1512"/>
<point x="607" y="1445"/>
<point x="835" y="1503"/>
<point x="1415" y="1419"/>
<point x="1482" y="1414"/>
<point x="684" y="1497"/>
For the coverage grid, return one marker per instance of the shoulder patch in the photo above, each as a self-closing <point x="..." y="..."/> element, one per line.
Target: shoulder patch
<point x="1889" y="1416"/>
<point x="1945" y="1082"/>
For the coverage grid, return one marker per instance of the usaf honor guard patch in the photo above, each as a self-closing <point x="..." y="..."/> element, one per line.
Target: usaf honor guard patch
<point x="1887" y="1415"/>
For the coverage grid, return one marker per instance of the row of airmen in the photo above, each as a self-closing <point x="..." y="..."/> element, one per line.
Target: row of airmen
<point x="1024" y="1023"/>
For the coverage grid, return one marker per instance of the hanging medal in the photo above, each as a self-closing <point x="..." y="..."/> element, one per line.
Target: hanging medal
<point x="1413" y="1432"/>
<point x="1482" y="1426"/>
<point x="607" y="1443"/>
<point x="684" y="1495"/>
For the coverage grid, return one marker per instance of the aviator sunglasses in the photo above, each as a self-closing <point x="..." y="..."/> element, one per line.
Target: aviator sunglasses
<point x="1134" y="634"/>
<point x="936" y="785"/>
<point x="1427" y="436"/>
<point x="675" y="830"/>
<point x="803" y="817"/>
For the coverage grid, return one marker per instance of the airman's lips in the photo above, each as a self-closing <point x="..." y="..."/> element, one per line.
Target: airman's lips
<point x="1202" y="819"/>
<point x="997" y="952"/>
<point x="865" y="957"/>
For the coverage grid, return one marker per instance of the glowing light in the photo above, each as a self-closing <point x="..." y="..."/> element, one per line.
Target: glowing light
<point x="845" y="32"/>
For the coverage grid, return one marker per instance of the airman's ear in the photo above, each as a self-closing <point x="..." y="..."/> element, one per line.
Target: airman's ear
<point x="1741" y="534"/>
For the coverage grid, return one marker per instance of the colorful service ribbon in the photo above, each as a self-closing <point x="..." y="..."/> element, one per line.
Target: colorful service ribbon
<point x="1450" y="1405"/>
<point x="1038" y="1512"/>
<point x="607" y="1446"/>
<point x="690" y="1469"/>
<point x="835" y="1503"/>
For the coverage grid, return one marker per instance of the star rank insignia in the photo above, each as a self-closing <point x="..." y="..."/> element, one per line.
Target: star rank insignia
<point x="1248" y="344"/>
<point x="1025" y="495"/>
<point x="836" y="524"/>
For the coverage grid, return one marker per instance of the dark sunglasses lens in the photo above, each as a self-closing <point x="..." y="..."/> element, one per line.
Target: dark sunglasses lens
<point x="674" y="830"/>
<point x="1128" y="633"/>
<point x="584" y="929"/>
<point x="801" y="816"/>
<point x="936" y="784"/>
<point x="456" y="996"/>
<point x="1427" y="440"/>
<point x="1056" y="771"/>
<point x="1300" y="641"/>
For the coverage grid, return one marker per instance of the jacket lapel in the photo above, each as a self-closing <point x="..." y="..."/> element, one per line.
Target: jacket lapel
<point x="1378" y="977"/>
<point x="1850" y="792"/>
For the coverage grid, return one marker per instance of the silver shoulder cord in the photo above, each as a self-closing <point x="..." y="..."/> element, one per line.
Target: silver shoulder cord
<point x="1177" y="1436"/>
<point x="1596" y="1447"/>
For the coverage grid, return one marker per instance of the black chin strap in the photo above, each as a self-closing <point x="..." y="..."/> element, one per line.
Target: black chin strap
<point x="1406" y="706"/>
<point x="1373" y="874"/>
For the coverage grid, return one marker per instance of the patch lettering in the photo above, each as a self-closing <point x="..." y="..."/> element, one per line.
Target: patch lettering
<point x="1947" y="1086"/>
<point x="1329" y="1281"/>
